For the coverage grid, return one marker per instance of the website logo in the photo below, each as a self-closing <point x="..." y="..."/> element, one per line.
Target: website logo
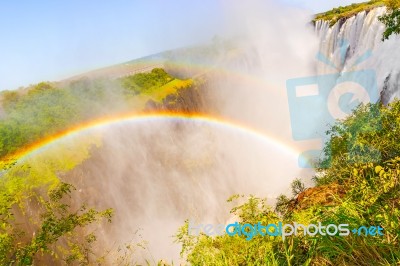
<point x="318" y="101"/>
<point x="282" y="230"/>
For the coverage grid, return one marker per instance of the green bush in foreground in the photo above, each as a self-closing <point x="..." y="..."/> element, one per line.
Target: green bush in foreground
<point x="58" y="221"/>
<point x="352" y="191"/>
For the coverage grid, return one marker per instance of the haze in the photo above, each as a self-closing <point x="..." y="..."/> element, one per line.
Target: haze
<point x="50" y="41"/>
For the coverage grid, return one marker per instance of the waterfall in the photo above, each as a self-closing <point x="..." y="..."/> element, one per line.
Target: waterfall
<point x="349" y="42"/>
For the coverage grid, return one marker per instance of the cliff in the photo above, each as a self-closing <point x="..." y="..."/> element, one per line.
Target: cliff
<point x="355" y="43"/>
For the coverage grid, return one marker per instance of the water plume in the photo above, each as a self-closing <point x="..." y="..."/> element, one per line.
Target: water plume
<point x="157" y="173"/>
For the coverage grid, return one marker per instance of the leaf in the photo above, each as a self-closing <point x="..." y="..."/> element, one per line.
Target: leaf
<point x="378" y="168"/>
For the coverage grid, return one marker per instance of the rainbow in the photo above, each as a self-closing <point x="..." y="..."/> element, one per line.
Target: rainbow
<point x="143" y="118"/>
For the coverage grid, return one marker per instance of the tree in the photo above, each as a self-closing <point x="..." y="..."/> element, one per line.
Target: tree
<point x="282" y="204"/>
<point x="10" y="98"/>
<point x="297" y="187"/>
<point x="18" y="246"/>
<point x="391" y="19"/>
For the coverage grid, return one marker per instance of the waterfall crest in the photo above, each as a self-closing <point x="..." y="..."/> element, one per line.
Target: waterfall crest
<point x="348" y="42"/>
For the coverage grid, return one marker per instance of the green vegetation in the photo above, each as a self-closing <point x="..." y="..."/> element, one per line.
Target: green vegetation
<point x="361" y="187"/>
<point x="340" y="12"/>
<point x="57" y="219"/>
<point x="44" y="109"/>
<point x="155" y="85"/>
<point x="39" y="221"/>
<point x="357" y="182"/>
<point x="143" y="82"/>
<point x="170" y="88"/>
<point x="391" y="19"/>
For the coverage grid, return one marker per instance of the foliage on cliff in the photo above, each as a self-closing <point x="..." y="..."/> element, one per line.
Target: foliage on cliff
<point x="140" y="82"/>
<point x="340" y="12"/>
<point x="391" y="19"/>
<point x="45" y="109"/>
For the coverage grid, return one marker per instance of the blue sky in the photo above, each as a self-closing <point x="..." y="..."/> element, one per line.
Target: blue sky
<point x="50" y="40"/>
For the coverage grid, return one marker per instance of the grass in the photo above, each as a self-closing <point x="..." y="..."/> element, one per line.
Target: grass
<point x="338" y="13"/>
<point x="358" y="189"/>
<point x="158" y="94"/>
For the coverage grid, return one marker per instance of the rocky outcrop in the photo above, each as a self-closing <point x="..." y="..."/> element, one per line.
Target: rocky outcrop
<point x="326" y="195"/>
<point x="193" y="99"/>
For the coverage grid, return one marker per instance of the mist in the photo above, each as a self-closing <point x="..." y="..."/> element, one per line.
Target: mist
<point x="159" y="173"/>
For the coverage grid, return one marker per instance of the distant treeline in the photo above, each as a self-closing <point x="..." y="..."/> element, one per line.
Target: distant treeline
<point x="44" y="109"/>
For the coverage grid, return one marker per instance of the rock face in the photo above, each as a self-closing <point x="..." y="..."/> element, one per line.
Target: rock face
<point x="188" y="100"/>
<point x="355" y="43"/>
<point x="323" y="195"/>
<point x="197" y="98"/>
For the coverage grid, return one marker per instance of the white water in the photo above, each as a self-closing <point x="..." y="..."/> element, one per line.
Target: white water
<point x="158" y="175"/>
<point x="363" y="32"/>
